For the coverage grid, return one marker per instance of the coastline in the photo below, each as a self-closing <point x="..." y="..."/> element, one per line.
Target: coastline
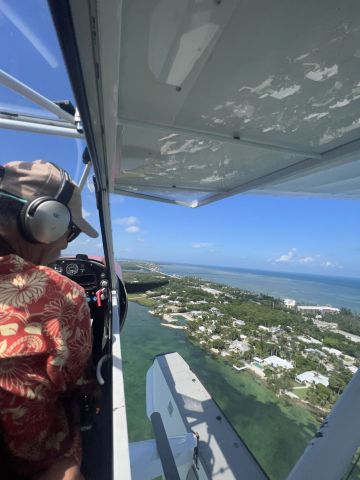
<point x="274" y="429"/>
<point x="197" y="313"/>
<point x="168" y="321"/>
<point x="340" y="291"/>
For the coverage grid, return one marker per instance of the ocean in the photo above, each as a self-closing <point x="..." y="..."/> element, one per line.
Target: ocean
<point x="341" y="292"/>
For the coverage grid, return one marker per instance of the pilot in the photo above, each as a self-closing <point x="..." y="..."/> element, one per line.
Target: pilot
<point x="45" y="332"/>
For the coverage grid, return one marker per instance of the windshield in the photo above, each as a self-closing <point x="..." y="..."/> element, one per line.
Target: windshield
<point x="33" y="57"/>
<point x="260" y="295"/>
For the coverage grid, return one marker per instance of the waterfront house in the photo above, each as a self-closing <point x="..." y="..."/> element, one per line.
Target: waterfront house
<point x="240" y="347"/>
<point x="312" y="377"/>
<point x="317" y="309"/>
<point x="289" y="303"/>
<point x="277" y="362"/>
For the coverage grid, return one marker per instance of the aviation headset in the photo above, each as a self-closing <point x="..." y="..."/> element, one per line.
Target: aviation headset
<point x="45" y="219"/>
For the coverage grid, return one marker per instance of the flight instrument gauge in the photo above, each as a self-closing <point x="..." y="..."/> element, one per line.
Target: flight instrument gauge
<point x="72" y="269"/>
<point x="58" y="268"/>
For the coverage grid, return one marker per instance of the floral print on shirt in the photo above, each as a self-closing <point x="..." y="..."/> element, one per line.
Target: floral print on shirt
<point x="45" y="345"/>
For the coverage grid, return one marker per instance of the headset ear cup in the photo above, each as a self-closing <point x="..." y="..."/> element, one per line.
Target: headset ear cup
<point x="44" y="220"/>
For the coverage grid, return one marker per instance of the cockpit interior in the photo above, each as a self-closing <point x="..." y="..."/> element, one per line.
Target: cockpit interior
<point x="95" y="407"/>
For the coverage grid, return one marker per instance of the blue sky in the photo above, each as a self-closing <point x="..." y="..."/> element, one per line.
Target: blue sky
<point x="281" y="234"/>
<point x="273" y="233"/>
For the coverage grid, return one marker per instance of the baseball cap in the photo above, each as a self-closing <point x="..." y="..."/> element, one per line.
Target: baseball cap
<point x="31" y="180"/>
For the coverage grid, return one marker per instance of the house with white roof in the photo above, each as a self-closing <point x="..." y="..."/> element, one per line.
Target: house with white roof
<point x="238" y="323"/>
<point x="277" y="362"/>
<point x="317" y="309"/>
<point x="211" y="290"/>
<point x="263" y="328"/>
<point x="312" y="377"/>
<point x="333" y="351"/>
<point x="275" y="329"/>
<point x="215" y="337"/>
<point x="315" y="351"/>
<point x="307" y="339"/>
<point x="325" y="325"/>
<point x="238" y="346"/>
<point x="196" y="313"/>
<point x="289" y="303"/>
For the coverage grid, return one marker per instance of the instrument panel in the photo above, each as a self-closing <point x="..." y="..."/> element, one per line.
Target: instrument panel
<point x="90" y="274"/>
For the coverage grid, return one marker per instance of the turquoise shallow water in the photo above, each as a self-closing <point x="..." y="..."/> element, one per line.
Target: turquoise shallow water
<point x="275" y="432"/>
<point x="313" y="289"/>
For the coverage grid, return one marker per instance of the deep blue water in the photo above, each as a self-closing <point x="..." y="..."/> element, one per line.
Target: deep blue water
<point x="312" y="289"/>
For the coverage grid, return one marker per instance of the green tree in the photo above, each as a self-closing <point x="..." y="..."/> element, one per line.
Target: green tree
<point x="219" y="344"/>
<point x="338" y="380"/>
<point x="321" y="396"/>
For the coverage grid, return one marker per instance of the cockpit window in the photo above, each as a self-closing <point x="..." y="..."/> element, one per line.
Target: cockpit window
<point x="30" y="51"/>
<point x="32" y="73"/>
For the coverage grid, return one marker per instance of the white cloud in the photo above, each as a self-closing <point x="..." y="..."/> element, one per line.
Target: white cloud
<point x="131" y="224"/>
<point x="313" y="260"/>
<point x="306" y="260"/>
<point x="132" y="229"/>
<point x="126" y="221"/>
<point x="201" y="244"/>
<point x="328" y="264"/>
<point x="85" y="213"/>
<point x="287" y="257"/>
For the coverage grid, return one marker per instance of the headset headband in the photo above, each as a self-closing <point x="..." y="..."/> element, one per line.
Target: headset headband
<point x="66" y="189"/>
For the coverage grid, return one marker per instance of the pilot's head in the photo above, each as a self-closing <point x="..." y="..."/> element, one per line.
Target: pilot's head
<point x="40" y="211"/>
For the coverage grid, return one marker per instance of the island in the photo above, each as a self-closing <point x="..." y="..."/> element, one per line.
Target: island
<point x="304" y="353"/>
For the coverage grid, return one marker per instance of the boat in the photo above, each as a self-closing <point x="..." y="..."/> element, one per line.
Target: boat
<point x="189" y="102"/>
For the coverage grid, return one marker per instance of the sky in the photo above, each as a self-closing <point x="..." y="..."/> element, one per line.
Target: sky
<point x="287" y="234"/>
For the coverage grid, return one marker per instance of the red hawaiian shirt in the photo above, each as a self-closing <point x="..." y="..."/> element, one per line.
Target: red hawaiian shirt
<point x="45" y="344"/>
